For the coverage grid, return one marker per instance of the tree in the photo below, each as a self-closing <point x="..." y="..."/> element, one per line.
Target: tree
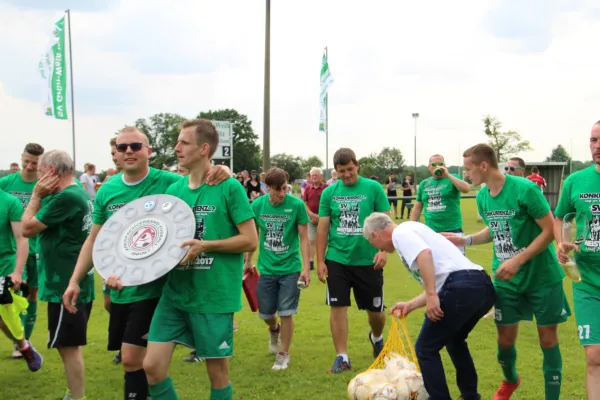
<point x="389" y="160"/>
<point x="162" y="131"/>
<point x="504" y="143"/>
<point x="289" y="163"/>
<point x="310" y="162"/>
<point x="246" y="151"/>
<point x="368" y="166"/>
<point x="559" y="154"/>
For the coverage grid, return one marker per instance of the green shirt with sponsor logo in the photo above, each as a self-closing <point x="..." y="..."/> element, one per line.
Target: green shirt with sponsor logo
<point x="211" y="283"/>
<point x="347" y="207"/>
<point x="11" y="210"/>
<point x="581" y="195"/>
<point x="441" y="204"/>
<point x="68" y="217"/>
<point x="279" y="250"/>
<point x="16" y="186"/>
<point x="511" y="216"/>
<point x="113" y="195"/>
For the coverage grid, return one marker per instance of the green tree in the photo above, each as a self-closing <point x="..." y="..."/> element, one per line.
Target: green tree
<point x="162" y="131"/>
<point x="289" y="163"/>
<point x="505" y="143"/>
<point x="579" y="165"/>
<point x="310" y="162"/>
<point x="246" y="151"/>
<point x="368" y="166"/>
<point x="389" y="160"/>
<point x="559" y="154"/>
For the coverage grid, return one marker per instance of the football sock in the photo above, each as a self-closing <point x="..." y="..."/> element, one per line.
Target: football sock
<point x="136" y="385"/>
<point x="225" y="393"/>
<point x="552" y="367"/>
<point x="508" y="360"/>
<point x="163" y="390"/>
<point x="28" y="320"/>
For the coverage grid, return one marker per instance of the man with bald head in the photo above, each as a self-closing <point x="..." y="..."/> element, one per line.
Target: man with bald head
<point x="60" y="212"/>
<point x="131" y="307"/>
<point x="438" y="197"/>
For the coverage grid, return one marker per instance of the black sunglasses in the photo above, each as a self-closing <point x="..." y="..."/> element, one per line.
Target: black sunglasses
<point x="135" y="147"/>
<point x="512" y="169"/>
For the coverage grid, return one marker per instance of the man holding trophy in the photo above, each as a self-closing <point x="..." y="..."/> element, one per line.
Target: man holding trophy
<point x="577" y="229"/>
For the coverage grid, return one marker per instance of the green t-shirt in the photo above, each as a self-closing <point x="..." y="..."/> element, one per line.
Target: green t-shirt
<point x="581" y="194"/>
<point x="441" y="204"/>
<point x="511" y="216"/>
<point x="279" y="250"/>
<point x="113" y="195"/>
<point x="16" y="186"/>
<point x="68" y="217"/>
<point x="11" y="210"/>
<point x="347" y="207"/>
<point x="212" y="283"/>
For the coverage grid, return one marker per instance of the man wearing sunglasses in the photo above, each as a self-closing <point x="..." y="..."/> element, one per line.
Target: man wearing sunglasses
<point x="201" y="294"/>
<point x="515" y="166"/>
<point x="438" y="197"/>
<point x="132" y="307"/>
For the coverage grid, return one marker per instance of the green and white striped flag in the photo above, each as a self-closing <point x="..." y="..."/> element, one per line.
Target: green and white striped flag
<point x="326" y="81"/>
<point x="53" y="69"/>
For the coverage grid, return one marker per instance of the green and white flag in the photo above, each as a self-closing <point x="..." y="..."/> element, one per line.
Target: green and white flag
<point x="326" y="81"/>
<point x="53" y="69"/>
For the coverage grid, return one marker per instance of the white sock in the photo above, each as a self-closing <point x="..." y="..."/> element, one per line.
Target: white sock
<point x="344" y="357"/>
<point x="376" y="339"/>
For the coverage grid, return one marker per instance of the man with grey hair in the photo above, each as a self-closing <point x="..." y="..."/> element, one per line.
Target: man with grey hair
<point x="60" y="212"/>
<point x="457" y="295"/>
<point x="312" y="198"/>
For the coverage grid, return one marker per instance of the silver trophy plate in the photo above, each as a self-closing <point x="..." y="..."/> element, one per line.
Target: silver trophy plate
<point x="141" y="242"/>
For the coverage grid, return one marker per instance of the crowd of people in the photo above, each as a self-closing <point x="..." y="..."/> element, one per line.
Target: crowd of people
<point x="341" y="227"/>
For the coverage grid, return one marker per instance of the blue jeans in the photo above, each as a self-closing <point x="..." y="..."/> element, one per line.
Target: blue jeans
<point x="277" y="294"/>
<point x="465" y="298"/>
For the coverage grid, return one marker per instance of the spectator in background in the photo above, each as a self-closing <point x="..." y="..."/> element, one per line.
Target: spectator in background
<point x="245" y="178"/>
<point x="312" y="198"/>
<point x="305" y="184"/>
<point x="253" y="188"/>
<point x="263" y="186"/>
<point x="408" y="189"/>
<point x="536" y="178"/>
<point x="390" y="186"/>
<point x="14" y="167"/>
<point x="333" y="178"/>
<point x="89" y="179"/>
<point x="240" y="178"/>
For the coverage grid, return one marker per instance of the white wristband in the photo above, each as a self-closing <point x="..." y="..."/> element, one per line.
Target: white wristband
<point x="468" y="240"/>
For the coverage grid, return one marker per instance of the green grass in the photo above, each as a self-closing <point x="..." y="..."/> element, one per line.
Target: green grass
<point x="312" y="351"/>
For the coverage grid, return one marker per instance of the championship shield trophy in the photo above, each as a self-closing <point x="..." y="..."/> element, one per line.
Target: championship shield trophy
<point x="141" y="242"/>
<point x="574" y="232"/>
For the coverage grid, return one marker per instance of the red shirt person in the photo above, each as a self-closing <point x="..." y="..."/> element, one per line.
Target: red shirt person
<point x="536" y="178"/>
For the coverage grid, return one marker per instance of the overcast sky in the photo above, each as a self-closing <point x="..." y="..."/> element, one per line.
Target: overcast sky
<point x="533" y="64"/>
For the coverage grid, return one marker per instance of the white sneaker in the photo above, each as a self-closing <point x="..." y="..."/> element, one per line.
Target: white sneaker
<point x="281" y="362"/>
<point x="16" y="353"/>
<point x="274" y="341"/>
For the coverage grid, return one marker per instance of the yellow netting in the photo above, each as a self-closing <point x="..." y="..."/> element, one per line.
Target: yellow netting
<point x="398" y="342"/>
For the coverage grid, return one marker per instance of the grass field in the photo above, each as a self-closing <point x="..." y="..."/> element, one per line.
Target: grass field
<point x="312" y="351"/>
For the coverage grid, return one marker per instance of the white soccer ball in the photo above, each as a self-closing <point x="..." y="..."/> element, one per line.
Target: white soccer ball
<point x="402" y="390"/>
<point x="421" y="395"/>
<point x="385" y="392"/>
<point x="414" y="380"/>
<point x="358" y="389"/>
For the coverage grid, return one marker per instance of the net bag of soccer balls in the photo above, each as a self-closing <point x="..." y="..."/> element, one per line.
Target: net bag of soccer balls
<point x="395" y="374"/>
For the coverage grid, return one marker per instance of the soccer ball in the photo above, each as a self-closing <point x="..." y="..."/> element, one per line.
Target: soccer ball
<point x="358" y="389"/>
<point x="385" y="392"/>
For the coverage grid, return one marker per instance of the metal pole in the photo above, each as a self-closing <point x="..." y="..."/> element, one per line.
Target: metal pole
<point x="415" y="116"/>
<point x="327" y="124"/>
<point x="267" y="99"/>
<point x="72" y="91"/>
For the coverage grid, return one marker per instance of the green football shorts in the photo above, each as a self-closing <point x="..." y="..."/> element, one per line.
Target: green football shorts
<point x="549" y="305"/>
<point x="211" y="335"/>
<point x="587" y="315"/>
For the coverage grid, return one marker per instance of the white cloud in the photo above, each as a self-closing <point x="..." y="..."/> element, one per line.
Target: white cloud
<point x="389" y="60"/>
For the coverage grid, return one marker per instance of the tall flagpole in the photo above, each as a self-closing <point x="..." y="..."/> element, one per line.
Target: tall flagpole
<point x="72" y="91"/>
<point x="327" y="123"/>
<point x="267" y="92"/>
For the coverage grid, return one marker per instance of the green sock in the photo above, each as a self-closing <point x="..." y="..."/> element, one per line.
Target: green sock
<point x="552" y="367"/>
<point x="508" y="360"/>
<point x="225" y="393"/>
<point x="163" y="390"/>
<point x="28" y="320"/>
